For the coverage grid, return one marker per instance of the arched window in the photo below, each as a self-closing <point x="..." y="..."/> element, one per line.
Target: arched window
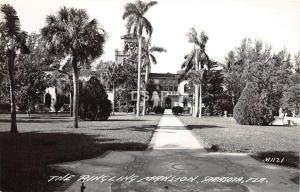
<point x="48" y="100"/>
<point x="186" y="88"/>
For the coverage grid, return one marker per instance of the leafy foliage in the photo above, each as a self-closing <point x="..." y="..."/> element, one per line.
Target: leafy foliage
<point x="158" y="110"/>
<point x="148" y="53"/>
<point x="94" y="103"/>
<point x="253" y="62"/>
<point x="291" y="95"/>
<point x="12" y="39"/>
<point x="31" y="81"/>
<point x="195" y="65"/>
<point x="254" y="106"/>
<point x="136" y="21"/>
<point x="70" y="33"/>
<point x="214" y="97"/>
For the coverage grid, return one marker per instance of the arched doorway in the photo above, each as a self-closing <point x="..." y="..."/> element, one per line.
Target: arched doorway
<point x="48" y="100"/>
<point x="168" y="103"/>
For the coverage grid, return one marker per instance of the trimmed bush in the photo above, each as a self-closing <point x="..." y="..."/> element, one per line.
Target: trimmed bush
<point x="177" y="110"/>
<point x="158" y="110"/>
<point x="93" y="101"/>
<point x="253" y="107"/>
<point x="4" y="107"/>
<point x="59" y="103"/>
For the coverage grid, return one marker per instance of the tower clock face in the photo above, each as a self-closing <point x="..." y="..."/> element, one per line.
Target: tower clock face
<point x="130" y="46"/>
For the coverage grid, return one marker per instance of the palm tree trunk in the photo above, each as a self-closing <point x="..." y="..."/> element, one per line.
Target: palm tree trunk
<point x="200" y="94"/>
<point x="146" y="80"/>
<point x="139" y="77"/>
<point x="13" y="116"/>
<point x="71" y="105"/>
<point x="196" y="108"/>
<point x="113" y="101"/>
<point x="200" y="100"/>
<point x="76" y="92"/>
<point x="196" y="86"/>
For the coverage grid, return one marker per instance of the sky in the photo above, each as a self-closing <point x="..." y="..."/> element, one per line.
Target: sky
<point x="226" y="22"/>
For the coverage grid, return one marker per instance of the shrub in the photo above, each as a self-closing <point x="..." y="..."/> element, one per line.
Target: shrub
<point x="158" y="110"/>
<point x="93" y="101"/>
<point x="217" y="110"/>
<point x="212" y="109"/>
<point x="253" y="107"/>
<point x="4" y="107"/>
<point x="207" y="111"/>
<point x="42" y="108"/>
<point x="58" y="103"/>
<point x="177" y="110"/>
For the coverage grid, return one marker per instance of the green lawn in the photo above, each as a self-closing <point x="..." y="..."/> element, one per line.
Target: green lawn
<point x="225" y="135"/>
<point x="48" y="139"/>
<point x="228" y="136"/>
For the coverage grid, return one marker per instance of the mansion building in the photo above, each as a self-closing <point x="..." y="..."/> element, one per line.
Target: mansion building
<point x="166" y="90"/>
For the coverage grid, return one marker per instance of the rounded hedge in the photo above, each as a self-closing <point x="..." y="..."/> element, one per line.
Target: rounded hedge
<point x="177" y="110"/>
<point x="158" y="110"/>
<point x="93" y="101"/>
<point x="253" y="107"/>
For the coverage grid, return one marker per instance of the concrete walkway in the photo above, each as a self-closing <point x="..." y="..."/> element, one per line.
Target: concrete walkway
<point x="172" y="134"/>
<point x="177" y="162"/>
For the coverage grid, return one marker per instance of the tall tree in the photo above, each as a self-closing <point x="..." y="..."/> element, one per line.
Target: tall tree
<point x="31" y="81"/>
<point x="71" y="33"/>
<point x="13" y="40"/>
<point x="214" y="99"/>
<point x="195" y="64"/>
<point x="148" y="59"/>
<point x="254" y="62"/>
<point x="109" y="72"/>
<point x="138" y="23"/>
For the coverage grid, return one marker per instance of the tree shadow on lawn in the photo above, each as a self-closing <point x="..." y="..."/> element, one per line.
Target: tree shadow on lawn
<point x="36" y="120"/>
<point x="191" y="127"/>
<point x="126" y="120"/>
<point x="143" y="128"/>
<point x="25" y="156"/>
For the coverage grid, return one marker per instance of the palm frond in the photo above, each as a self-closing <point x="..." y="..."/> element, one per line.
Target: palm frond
<point x="71" y="32"/>
<point x="21" y="42"/>
<point x="193" y="36"/>
<point x="147" y="26"/>
<point x="203" y="39"/>
<point x="153" y="59"/>
<point x="148" y="5"/>
<point x="131" y="24"/>
<point x="11" y="22"/>
<point x="189" y="62"/>
<point x="157" y="49"/>
<point x="130" y="9"/>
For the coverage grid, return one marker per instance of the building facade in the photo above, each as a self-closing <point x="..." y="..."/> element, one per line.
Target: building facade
<point x="167" y="91"/>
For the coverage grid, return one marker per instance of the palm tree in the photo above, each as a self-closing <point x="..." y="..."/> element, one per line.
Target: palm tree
<point x="195" y="64"/>
<point x="137" y="22"/>
<point x="71" y="33"/>
<point x="13" y="40"/>
<point x="148" y="58"/>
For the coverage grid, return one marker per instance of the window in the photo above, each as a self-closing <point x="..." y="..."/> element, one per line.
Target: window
<point x="186" y="88"/>
<point x="175" y="88"/>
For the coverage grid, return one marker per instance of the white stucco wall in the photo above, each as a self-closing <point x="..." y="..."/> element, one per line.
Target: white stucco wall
<point x="181" y="87"/>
